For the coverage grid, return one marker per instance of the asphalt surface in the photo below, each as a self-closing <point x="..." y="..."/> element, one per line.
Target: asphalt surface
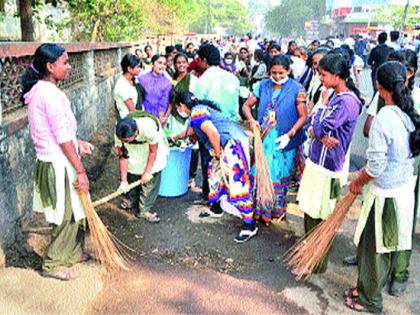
<point x="186" y="264"/>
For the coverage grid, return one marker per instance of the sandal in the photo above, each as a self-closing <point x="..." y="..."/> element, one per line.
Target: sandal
<point x="351" y="302"/>
<point x="151" y="217"/>
<point x="351" y="293"/>
<point x="62" y="275"/>
<point x="126" y="204"/>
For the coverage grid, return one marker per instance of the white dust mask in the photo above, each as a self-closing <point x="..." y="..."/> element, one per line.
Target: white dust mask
<point x="280" y="82"/>
<point x="182" y="114"/>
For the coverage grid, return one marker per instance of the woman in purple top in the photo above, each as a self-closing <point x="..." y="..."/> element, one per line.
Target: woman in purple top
<point x="331" y="129"/>
<point x="158" y="88"/>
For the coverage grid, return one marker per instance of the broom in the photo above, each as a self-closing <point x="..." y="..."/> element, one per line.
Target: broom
<point x="116" y="194"/>
<point x="305" y="256"/>
<point x="264" y="190"/>
<point x="107" y="248"/>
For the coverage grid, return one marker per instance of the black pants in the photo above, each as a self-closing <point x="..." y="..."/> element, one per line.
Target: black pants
<point x="205" y="160"/>
<point x="373" y="75"/>
<point x="241" y="103"/>
<point x="194" y="163"/>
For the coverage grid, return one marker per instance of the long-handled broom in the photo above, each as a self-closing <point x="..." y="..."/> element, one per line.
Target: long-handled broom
<point x="108" y="249"/>
<point x="264" y="195"/>
<point x="305" y="255"/>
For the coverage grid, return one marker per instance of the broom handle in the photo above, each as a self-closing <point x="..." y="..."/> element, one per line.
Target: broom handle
<point x="116" y="194"/>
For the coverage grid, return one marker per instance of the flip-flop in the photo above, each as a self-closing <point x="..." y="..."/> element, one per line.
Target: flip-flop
<point x="351" y="303"/>
<point x="351" y="293"/>
<point x="62" y="275"/>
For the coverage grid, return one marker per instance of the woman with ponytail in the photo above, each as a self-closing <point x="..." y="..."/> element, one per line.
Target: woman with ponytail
<point x="386" y="219"/>
<point x="229" y="172"/>
<point x="401" y="259"/>
<point x="59" y="171"/>
<point x="331" y="129"/>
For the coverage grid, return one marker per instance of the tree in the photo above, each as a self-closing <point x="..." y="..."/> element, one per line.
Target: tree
<point x="27" y="10"/>
<point x="26" y="22"/>
<point x="289" y="17"/>
<point x="231" y="15"/>
<point x="128" y="20"/>
<point x="104" y="20"/>
<point x="393" y="15"/>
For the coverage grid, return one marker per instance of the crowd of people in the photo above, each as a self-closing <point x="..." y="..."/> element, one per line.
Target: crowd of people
<point x="305" y="100"/>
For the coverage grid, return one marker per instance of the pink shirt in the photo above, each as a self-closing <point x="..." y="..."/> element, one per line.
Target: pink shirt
<point x="51" y="120"/>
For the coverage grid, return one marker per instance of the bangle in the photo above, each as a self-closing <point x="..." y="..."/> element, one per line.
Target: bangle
<point x="81" y="172"/>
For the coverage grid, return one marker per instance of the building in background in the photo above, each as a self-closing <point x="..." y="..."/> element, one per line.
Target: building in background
<point x="356" y="16"/>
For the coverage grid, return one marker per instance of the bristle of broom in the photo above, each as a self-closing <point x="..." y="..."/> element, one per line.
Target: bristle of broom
<point x="106" y="247"/>
<point x="264" y="190"/>
<point x="306" y="255"/>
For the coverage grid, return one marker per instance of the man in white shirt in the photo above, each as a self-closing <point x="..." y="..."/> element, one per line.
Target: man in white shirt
<point x="218" y="85"/>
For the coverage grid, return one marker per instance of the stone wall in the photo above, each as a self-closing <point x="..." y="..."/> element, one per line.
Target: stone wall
<point x="95" y="70"/>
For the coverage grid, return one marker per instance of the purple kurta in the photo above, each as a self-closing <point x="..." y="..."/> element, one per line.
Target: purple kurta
<point x="337" y="120"/>
<point x="157" y="90"/>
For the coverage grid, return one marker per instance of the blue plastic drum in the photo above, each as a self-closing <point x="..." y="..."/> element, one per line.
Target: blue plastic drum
<point x="174" y="181"/>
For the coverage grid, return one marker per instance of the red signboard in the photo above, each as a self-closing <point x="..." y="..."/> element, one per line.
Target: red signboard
<point x="341" y="11"/>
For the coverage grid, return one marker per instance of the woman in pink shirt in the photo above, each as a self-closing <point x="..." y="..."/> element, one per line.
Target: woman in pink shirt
<point x="59" y="171"/>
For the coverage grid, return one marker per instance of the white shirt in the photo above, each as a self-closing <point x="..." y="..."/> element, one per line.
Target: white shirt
<point x="139" y="153"/>
<point x="350" y="41"/>
<point x="123" y="91"/>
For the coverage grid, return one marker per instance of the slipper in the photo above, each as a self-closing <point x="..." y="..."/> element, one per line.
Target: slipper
<point x="351" y="303"/>
<point x="151" y="217"/>
<point x="351" y="293"/>
<point x="62" y="275"/>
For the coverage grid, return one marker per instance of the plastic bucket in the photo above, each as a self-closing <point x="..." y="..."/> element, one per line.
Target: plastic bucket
<point x="174" y="181"/>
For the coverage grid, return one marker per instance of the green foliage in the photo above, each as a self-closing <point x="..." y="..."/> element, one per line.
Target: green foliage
<point x="104" y="20"/>
<point x="128" y="20"/>
<point x="393" y="15"/>
<point x="289" y="17"/>
<point x="230" y="15"/>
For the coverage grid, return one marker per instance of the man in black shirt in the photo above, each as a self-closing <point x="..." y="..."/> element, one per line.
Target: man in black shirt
<point x="378" y="56"/>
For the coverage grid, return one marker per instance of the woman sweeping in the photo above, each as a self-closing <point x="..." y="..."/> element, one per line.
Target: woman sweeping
<point x="331" y="129"/>
<point x="281" y="116"/>
<point x="229" y="176"/>
<point x="59" y="171"/>
<point x="147" y="153"/>
<point x="386" y="219"/>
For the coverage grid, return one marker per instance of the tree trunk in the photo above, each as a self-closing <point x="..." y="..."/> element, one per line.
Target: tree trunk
<point x="404" y="17"/>
<point x="26" y="22"/>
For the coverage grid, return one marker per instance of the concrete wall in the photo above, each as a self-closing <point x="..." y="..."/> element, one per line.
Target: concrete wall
<point x="91" y="100"/>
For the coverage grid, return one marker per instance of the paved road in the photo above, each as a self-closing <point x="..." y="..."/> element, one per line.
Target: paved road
<point x="189" y="265"/>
